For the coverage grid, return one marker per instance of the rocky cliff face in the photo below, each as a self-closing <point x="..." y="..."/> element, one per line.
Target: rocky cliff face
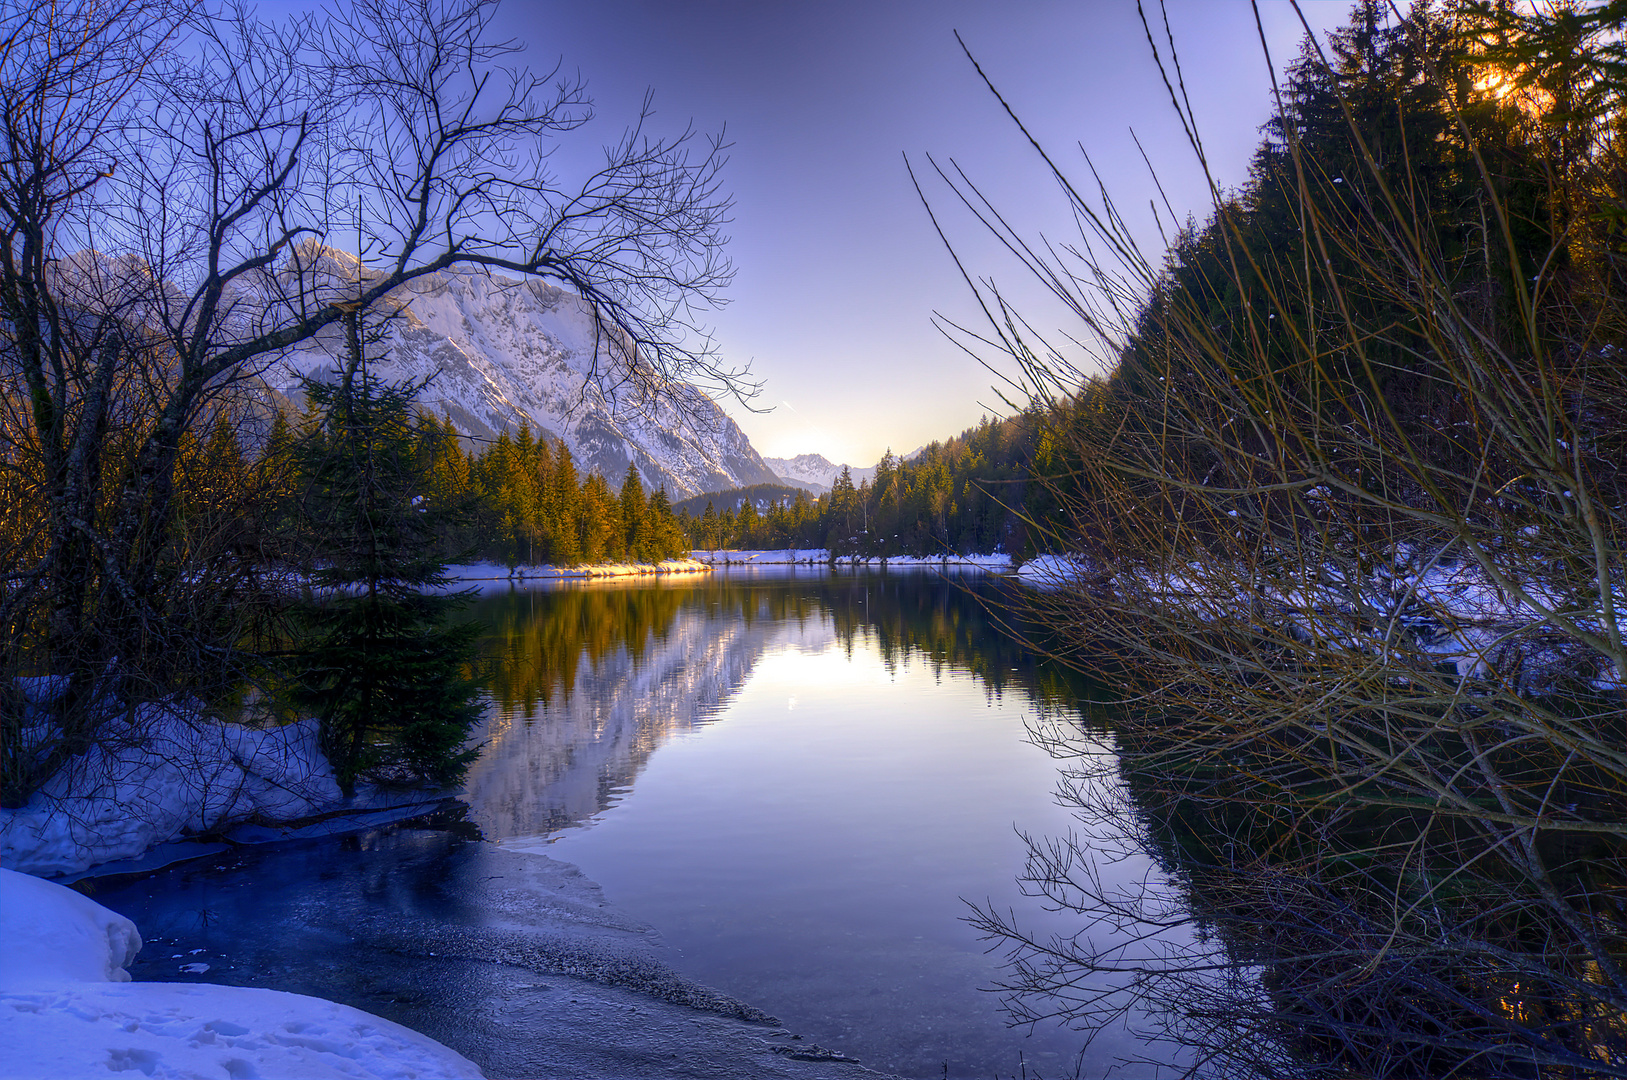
<point x="499" y="352"/>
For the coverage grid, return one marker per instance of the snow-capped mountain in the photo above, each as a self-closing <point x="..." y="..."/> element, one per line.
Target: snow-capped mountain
<point x="815" y="472"/>
<point x="501" y="352"/>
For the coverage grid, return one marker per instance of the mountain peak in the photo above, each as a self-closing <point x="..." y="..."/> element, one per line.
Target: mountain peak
<point x="815" y="472"/>
<point x="495" y="353"/>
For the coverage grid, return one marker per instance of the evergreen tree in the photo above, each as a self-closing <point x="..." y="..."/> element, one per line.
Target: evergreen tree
<point x="389" y="679"/>
<point x="632" y="514"/>
<point x="666" y="539"/>
<point x="708" y="529"/>
<point x="567" y="498"/>
<point x="598" y="521"/>
<point x="746" y="526"/>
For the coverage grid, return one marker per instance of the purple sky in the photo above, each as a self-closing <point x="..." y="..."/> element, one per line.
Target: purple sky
<point x="839" y="271"/>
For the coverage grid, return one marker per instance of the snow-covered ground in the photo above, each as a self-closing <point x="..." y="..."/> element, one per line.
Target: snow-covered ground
<point x="778" y="557"/>
<point x="821" y="557"/>
<point x="69" y="1009"/>
<point x="998" y="561"/>
<point x="161" y="775"/>
<point x="1460" y="612"/>
<point x="1054" y="570"/>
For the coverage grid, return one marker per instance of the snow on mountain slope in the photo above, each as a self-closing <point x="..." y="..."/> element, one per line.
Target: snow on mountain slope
<point x="814" y="472"/>
<point x="501" y="352"/>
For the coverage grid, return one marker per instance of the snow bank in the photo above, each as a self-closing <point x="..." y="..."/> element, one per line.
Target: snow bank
<point x="163" y="774"/>
<point x="496" y="572"/>
<point x="822" y="556"/>
<point x="780" y="557"/>
<point x="996" y="561"/>
<point x="67" y="1008"/>
<point x="1452" y="607"/>
<point x="51" y="935"/>
<point x="1055" y="571"/>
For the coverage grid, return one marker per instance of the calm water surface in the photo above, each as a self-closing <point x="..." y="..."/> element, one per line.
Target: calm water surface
<point x="801" y="781"/>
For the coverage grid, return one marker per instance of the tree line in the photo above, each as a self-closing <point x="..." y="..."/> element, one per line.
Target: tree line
<point x="970" y="494"/>
<point x="525" y="503"/>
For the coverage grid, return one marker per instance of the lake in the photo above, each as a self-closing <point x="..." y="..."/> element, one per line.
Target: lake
<point x="801" y="779"/>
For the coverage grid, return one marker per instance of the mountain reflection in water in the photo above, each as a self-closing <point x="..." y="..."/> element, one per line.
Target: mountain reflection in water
<point x="590" y="678"/>
<point x="800" y="780"/>
<point x="844" y="764"/>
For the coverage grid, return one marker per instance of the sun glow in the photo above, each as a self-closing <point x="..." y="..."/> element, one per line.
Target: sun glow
<point x="1497" y="83"/>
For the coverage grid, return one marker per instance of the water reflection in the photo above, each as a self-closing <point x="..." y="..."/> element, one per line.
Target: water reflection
<point x="1341" y="924"/>
<point x="590" y="678"/>
<point x="843" y="762"/>
<point x="798" y="779"/>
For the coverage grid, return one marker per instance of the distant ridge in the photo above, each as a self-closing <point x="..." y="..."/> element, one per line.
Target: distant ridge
<point x="762" y="496"/>
<point x="815" y="472"/>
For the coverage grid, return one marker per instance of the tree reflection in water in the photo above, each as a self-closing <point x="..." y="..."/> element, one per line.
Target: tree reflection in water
<point x="1310" y="925"/>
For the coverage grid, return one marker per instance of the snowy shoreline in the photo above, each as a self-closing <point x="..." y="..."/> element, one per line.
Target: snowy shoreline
<point x="196" y="787"/>
<point x="996" y="562"/>
<point x="1458" y="613"/>
<point x="171" y="784"/>
<point x="68" y="1008"/>
<point x="703" y="561"/>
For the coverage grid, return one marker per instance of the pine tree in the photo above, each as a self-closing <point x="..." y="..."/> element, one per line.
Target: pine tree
<point x="746" y="525"/>
<point x="598" y="521"/>
<point x="389" y="679"/>
<point x="567" y="499"/>
<point x="666" y="538"/>
<point x="632" y="515"/>
<point x="708" y="530"/>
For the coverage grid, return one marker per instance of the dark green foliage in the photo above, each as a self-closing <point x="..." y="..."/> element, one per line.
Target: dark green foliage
<point x="731" y="498"/>
<point x="391" y="682"/>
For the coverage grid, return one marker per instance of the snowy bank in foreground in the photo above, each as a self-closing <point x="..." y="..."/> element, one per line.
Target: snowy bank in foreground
<point x="165" y="774"/>
<point x="67" y="1008"/>
<point x="498" y="571"/>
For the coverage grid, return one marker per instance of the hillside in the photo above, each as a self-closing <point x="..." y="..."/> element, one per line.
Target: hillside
<point x="762" y="496"/>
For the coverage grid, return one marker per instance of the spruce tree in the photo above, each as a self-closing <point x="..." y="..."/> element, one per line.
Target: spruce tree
<point x="390" y="679"/>
<point x="709" y="527"/>
<point x="633" y="512"/>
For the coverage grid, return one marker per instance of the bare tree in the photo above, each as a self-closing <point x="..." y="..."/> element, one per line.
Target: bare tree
<point x="175" y="186"/>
